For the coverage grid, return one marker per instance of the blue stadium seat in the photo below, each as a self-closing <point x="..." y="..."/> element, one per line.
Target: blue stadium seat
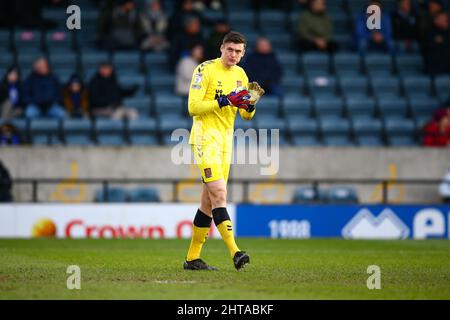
<point x="268" y="122"/>
<point x="346" y="63"/>
<point x="289" y="61"/>
<point x="109" y="132"/>
<point x="335" y="132"/>
<point x="269" y="105"/>
<point x="342" y="195"/>
<point x="442" y="84"/>
<point x="5" y="40"/>
<point x="143" y="195"/>
<point x="421" y="121"/>
<point x="28" y="40"/>
<point x="322" y="86"/>
<point x="58" y="40"/>
<point x="272" y="20"/>
<point x="156" y="63"/>
<point x="164" y="83"/>
<point x="169" y="123"/>
<point x="392" y="106"/>
<point x="417" y="86"/>
<point x="410" y="64"/>
<point x="127" y="61"/>
<point x="25" y="61"/>
<point x="92" y="60"/>
<point x="354" y="85"/>
<point x="293" y="84"/>
<point x="296" y="105"/>
<point x="59" y="60"/>
<point x="383" y="86"/>
<point x="368" y="132"/>
<point x="113" y="194"/>
<point x="77" y="131"/>
<point x="315" y="64"/>
<point x="240" y="123"/>
<point x="141" y="104"/>
<point x="142" y="131"/>
<point x="134" y="80"/>
<point x="423" y="106"/>
<point x="168" y="104"/>
<point x="400" y="132"/>
<point x="45" y="131"/>
<point x="360" y="106"/>
<point x="378" y="63"/>
<point x="309" y="195"/>
<point x="329" y="106"/>
<point x="281" y="42"/>
<point x="6" y="60"/>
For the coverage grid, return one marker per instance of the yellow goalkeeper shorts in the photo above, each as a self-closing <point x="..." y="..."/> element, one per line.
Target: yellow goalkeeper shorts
<point x="213" y="162"/>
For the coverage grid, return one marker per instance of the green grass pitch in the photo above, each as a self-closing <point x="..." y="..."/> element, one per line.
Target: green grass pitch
<point x="279" y="269"/>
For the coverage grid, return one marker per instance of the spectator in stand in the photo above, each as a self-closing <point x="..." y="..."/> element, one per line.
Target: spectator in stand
<point x="105" y="95"/>
<point x="376" y="39"/>
<point x="11" y="104"/>
<point x="221" y="28"/>
<point x="405" y="26"/>
<point x="263" y="67"/>
<point x="9" y="135"/>
<point x="185" y="69"/>
<point x="184" y="10"/>
<point x="76" y="98"/>
<point x="122" y="29"/>
<point x="5" y="184"/>
<point x="154" y="24"/>
<point x="183" y="42"/>
<point x="42" y="92"/>
<point x="201" y="5"/>
<point x="437" y="131"/>
<point x="437" y="45"/>
<point x="427" y="10"/>
<point x="315" y="28"/>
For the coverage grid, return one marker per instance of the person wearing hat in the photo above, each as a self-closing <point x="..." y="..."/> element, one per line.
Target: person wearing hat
<point x="76" y="98"/>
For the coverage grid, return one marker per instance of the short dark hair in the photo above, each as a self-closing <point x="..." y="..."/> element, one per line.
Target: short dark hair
<point x="234" y="37"/>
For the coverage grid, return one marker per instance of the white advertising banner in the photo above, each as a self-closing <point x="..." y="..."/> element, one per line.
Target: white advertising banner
<point x="101" y="220"/>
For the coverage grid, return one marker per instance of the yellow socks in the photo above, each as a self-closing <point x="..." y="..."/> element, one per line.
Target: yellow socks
<point x="202" y="224"/>
<point x="225" y="227"/>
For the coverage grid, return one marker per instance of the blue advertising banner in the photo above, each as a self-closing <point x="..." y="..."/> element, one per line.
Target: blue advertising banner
<point x="347" y="221"/>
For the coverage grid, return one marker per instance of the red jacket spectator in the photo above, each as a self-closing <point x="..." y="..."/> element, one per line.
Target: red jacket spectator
<point x="437" y="132"/>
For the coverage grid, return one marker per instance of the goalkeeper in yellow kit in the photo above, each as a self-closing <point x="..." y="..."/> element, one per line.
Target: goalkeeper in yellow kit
<point x="219" y="89"/>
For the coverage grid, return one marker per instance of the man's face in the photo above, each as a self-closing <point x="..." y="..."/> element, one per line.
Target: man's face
<point x="13" y="76"/>
<point x="441" y="21"/>
<point x="105" y="71"/>
<point x="193" y="27"/>
<point x="264" y="46"/>
<point x="232" y="53"/>
<point x="405" y="5"/>
<point x="41" y="67"/>
<point x="318" y="6"/>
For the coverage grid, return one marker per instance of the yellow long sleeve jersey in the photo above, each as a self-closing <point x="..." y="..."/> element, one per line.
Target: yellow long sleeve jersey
<point x="212" y="124"/>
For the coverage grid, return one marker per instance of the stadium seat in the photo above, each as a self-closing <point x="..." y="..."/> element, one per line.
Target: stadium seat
<point x="113" y="194"/>
<point x="296" y="105"/>
<point x="409" y="64"/>
<point x="293" y="84"/>
<point x="309" y="195"/>
<point x="142" y="104"/>
<point x="268" y="122"/>
<point x="142" y="131"/>
<point x="302" y="125"/>
<point x="240" y="123"/>
<point x="423" y="106"/>
<point x="269" y="105"/>
<point x="354" y="85"/>
<point x="417" y="86"/>
<point x="346" y="63"/>
<point x="59" y="60"/>
<point x="58" y="40"/>
<point x="134" y="80"/>
<point x="168" y="104"/>
<point x="5" y="40"/>
<point x="77" y="131"/>
<point x="28" y="40"/>
<point x="169" y="123"/>
<point x="392" y="106"/>
<point x="109" y="132"/>
<point x="272" y="21"/>
<point x="368" y="132"/>
<point x="6" y="60"/>
<point x="45" y="131"/>
<point x="360" y="106"/>
<point x="282" y="44"/>
<point x="143" y="195"/>
<point x="322" y="86"/>
<point x="442" y="84"/>
<point x="383" y="86"/>
<point x="163" y="83"/>
<point x="289" y="61"/>
<point x="156" y="63"/>
<point x="127" y="61"/>
<point x="315" y="64"/>
<point x="92" y="60"/>
<point x="335" y="132"/>
<point x="400" y="132"/>
<point x="328" y="106"/>
<point x="342" y="195"/>
<point x="25" y="61"/>
<point x="378" y="64"/>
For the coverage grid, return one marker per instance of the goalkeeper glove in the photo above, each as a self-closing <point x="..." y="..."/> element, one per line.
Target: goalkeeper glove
<point x="237" y="99"/>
